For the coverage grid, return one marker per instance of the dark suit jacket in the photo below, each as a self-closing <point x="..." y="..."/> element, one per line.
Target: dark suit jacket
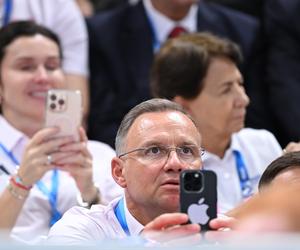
<point x="283" y="72"/>
<point x="121" y="55"/>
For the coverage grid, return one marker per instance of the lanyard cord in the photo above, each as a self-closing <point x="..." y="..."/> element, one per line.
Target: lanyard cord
<point x="7" y="11"/>
<point x="51" y="195"/>
<point x="244" y="179"/>
<point x="120" y="214"/>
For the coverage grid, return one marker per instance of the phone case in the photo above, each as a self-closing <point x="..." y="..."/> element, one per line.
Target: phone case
<point x="64" y="110"/>
<point x="198" y="196"/>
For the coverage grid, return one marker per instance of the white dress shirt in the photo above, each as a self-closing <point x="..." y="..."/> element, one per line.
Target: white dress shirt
<point x="258" y="149"/>
<point x="65" y="19"/>
<point x="33" y="221"/>
<point x="162" y="25"/>
<point x="83" y="226"/>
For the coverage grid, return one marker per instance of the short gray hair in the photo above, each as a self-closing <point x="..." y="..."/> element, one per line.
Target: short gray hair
<point x="154" y="105"/>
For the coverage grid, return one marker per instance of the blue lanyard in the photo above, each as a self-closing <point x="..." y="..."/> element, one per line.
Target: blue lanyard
<point x="51" y="195"/>
<point x="120" y="214"/>
<point x="245" y="182"/>
<point x="7" y="11"/>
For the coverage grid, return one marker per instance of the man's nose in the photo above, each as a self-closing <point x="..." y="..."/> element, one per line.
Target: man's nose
<point x="173" y="162"/>
<point x="242" y="99"/>
<point x="41" y="75"/>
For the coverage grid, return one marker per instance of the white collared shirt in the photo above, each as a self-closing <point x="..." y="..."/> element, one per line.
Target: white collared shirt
<point x="163" y="25"/>
<point x="82" y="226"/>
<point x="65" y="19"/>
<point x="258" y="149"/>
<point x="33" y="221"/>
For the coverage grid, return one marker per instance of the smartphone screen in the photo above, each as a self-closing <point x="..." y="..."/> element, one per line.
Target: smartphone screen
<point x="64" y="110"/>
<point x="198" y="196"/>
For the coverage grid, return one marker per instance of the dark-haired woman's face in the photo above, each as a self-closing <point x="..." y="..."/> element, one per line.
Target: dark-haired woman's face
<point x="31" y="66"/>
<point x="220" y="108"/>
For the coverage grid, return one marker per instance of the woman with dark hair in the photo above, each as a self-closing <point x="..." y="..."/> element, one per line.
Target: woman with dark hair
<point x="41" y="176"/>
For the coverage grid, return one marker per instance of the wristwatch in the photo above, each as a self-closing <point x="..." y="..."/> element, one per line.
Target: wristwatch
<point x="85" y="204"/>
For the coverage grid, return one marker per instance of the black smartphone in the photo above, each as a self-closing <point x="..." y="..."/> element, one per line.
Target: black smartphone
<point x="198" y="196"/>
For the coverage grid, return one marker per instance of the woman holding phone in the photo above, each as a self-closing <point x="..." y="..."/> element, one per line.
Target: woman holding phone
<point x="41" y="176"/>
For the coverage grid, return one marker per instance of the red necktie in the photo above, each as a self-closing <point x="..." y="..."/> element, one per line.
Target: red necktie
<point x="177" y="31"/>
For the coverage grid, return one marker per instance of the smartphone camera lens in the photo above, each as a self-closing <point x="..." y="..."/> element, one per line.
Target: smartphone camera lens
<point x="193" y="182"/>
<point x="61" y="102"/>
<point x="53" y="97"/>
<point x="53" y="106"/>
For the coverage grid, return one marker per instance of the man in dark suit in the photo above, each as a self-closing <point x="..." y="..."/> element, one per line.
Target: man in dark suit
<point x="283" y="73"/>
<point x="123" y="42"/>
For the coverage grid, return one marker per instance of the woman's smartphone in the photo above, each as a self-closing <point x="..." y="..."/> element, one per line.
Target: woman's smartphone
<point x="198" y="196"/>
<point x="64" y="110"/>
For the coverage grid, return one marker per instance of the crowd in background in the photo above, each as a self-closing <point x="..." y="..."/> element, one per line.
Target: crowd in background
<point x="229" y="69"/>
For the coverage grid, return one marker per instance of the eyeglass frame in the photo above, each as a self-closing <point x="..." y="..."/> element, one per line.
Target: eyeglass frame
<point x="201" y="150"/>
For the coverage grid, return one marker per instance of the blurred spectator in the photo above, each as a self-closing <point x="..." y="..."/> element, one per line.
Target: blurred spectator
<point x="283" y="67"/>
<point x="86" y="7"/>
<point x="285" y="170"/>
<point x="123" y="42"/>
<point x="150" y="157"/>
<point x="251" y="7"/>
<point x="200" y="72"/>
<point x="41" y="175"/>
<point x="277" y="206"/>
<point x="103" y="5"/>
<point x="65" y="19"/>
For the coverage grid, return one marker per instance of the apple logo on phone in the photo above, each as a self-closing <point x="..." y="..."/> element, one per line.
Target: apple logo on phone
<point x="198" y="212"/>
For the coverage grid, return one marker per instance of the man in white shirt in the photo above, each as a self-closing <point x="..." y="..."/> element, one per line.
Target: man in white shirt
<point x="155" y="142"/>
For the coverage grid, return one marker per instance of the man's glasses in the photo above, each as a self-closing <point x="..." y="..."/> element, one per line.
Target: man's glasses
<point x="159" y="154"/>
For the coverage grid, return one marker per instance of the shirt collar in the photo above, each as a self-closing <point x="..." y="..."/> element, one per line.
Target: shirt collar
<point x="234" y="145"/>
<point x="11" y="137"/>
<point x="163" y="25"/>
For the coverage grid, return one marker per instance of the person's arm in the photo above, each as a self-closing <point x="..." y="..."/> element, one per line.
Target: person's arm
<point x="34" y="164"/>
<point x="76" y="159"/>
<point x="12" y="200"/>
<point x="76" y="228"/>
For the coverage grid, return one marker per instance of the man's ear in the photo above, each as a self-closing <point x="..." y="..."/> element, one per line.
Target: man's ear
<point x="183" y="102"/>
<point x="117" y="171"/>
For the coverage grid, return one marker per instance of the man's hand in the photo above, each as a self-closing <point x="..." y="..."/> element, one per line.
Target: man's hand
<point x="169" y="227"/>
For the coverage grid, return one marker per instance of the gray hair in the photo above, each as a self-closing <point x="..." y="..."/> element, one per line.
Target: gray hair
<point x="154" y="105"/>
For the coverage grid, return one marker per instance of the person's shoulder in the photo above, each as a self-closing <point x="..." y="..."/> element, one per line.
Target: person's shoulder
<point x="79" y="226"/>
<point x="248" y="133"/>
<point x="220" y="11"/>
<point x="256" y="137"/>
<point x="97" y="146"/>
<point x="109" y="17"/>
<point x="81" y="212"/>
